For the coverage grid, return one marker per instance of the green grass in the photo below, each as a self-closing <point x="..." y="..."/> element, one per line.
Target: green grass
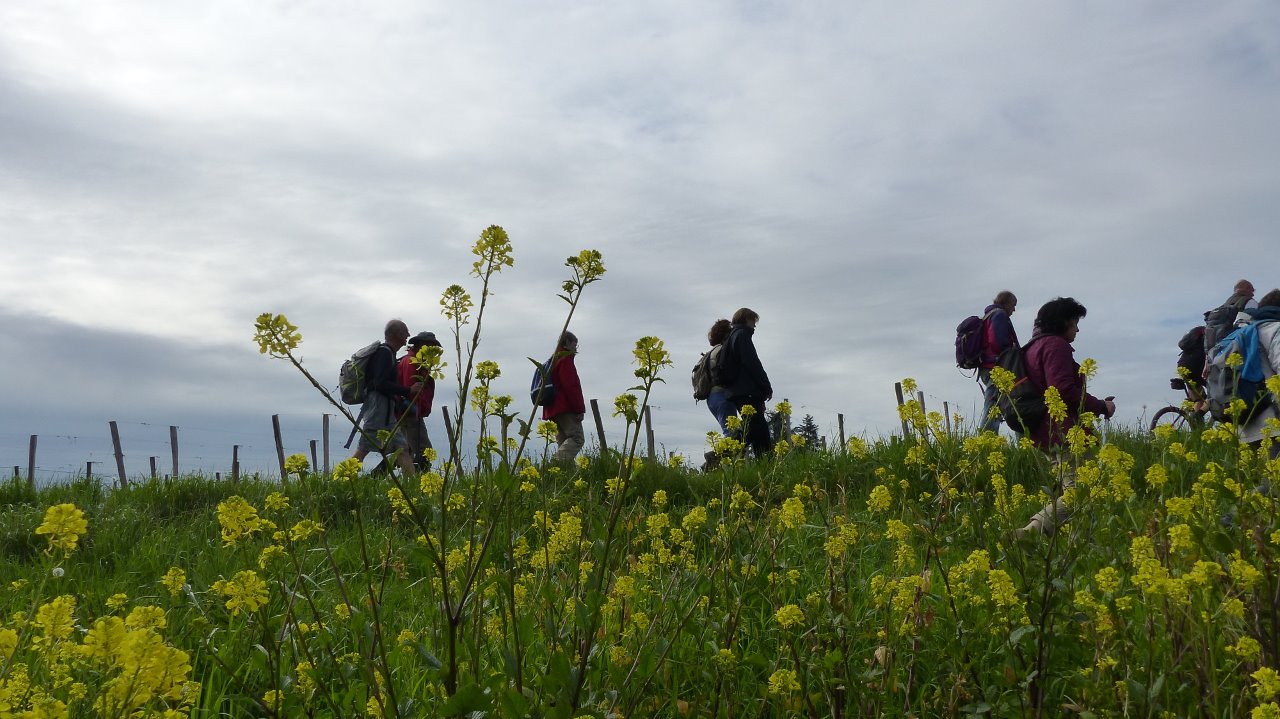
<point x="892" y="626"/>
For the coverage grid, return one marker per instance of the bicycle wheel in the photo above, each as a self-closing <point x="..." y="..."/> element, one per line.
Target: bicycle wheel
<point x="1173" y="416"/>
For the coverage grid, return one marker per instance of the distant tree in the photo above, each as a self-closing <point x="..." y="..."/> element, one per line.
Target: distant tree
<point x="808" y="429"/>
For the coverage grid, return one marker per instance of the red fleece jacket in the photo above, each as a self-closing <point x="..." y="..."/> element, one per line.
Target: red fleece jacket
<point x="1050" y="363"/>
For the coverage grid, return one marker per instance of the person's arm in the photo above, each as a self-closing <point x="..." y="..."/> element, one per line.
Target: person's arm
<point x="1002" y="329"/>
<point x="1061" y="371"/>
<point x="751" y="364"/>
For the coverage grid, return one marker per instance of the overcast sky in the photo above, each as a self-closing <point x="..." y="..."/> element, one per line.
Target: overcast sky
<point x="862" y="174"/>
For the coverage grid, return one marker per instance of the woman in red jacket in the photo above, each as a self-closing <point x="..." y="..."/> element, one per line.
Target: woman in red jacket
<point x="567" y="408"/>
<point x="1051" y="363"/>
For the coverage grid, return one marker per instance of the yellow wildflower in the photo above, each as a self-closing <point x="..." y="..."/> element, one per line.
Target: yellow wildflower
<point x="245" y="591"/>
<point x="64" y="523"/>
<point x="789" y="616"/>
<point x="783" y="681"/>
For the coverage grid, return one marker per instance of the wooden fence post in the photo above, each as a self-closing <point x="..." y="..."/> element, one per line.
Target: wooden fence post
<point x="946" y="413"/>
<point x="315" y="461"/>
<point x="154" y="474"/>
<point x="648" y="431"/>
<point x="920" y="399"/>
<point x="275" y="429"/>
<point x="840" y="423"/>
<point x="115" y="445"/>
<point x="324" y="431"/>
<point x="31" y="464"/>
<point x="897" y="390"/>
<point x="595" y="411"/>
<point x="235" y="463"/>
<point x="173" y="445"/>
<point x="88" y="470"/>
<point x="17" y="471"/>
<point x="448" y="429"/>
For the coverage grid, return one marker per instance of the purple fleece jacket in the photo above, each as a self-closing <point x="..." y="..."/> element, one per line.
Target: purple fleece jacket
<point x="1050" y="363"/>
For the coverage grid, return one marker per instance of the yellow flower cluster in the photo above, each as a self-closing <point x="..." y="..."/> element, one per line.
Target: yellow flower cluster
<point x="792" y="514"/>
<point x="789" y="616"/>
<point x="783" y="681"/>
<point x="245" y="591"/>
<point x="843" y="535"/>
<point x="879" y="500"/>
<point x="275" y="335"/>
<point x="64" y="523"/>
<point x="240" y="520"/>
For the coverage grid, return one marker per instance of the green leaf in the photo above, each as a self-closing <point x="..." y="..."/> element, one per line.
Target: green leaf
<point x="432" y="661"/>
<point x="1221" y="542"/>
<point x="513" y="703"/>
<point x="1016" y="635"/>
<point x="470" y="698"/>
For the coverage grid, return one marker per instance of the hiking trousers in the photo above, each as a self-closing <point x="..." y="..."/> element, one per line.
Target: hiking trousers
<point x="569" y="435"/>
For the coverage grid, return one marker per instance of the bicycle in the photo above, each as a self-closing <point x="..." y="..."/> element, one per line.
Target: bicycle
<point x="1178" y="416"/>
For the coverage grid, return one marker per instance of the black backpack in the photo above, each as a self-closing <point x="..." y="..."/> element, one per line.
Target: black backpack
<point x="1192" y="356"/>
<point x="1023" y="408"/>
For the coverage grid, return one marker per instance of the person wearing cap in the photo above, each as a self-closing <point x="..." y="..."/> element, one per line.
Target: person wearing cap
<point x="418" y="409"/>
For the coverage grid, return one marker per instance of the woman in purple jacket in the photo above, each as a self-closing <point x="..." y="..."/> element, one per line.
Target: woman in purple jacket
<point x="1051" y="363"/>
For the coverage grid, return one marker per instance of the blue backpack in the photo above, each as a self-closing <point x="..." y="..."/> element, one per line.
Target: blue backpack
<point x="1225" y="384"/>
<point x="542" y="392"/>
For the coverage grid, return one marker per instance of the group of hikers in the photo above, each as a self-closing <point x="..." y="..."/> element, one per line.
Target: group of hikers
<point x="397" y="395"/>
<point x="733" y="378"/>
<point x="1241" y="325"/>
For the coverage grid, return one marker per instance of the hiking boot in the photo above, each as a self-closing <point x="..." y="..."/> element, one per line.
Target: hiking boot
<point x="711" y="460"/>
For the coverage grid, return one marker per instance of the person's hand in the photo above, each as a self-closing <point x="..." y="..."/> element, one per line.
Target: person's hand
<point x="582" y="416"/>
<point x="1111" y="406"/>
<point x="415" y="388"/>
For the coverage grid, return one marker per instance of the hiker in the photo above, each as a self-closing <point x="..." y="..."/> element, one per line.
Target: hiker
<point x="1191" y="361"/>
<point x="1266" y="318"/>
<point x="1050" y="363"/>
<point x="567" y="408"/>
<point x="718" y="401"/>
<point x="379" y="411"/>
<point x="748" y="382"/>
<point x="998" y="335"/>
<point x="419" y="408"/>
<point x="1221" y="320"/>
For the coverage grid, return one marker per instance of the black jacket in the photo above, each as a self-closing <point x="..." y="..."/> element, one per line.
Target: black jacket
<point x="750" y="381"/>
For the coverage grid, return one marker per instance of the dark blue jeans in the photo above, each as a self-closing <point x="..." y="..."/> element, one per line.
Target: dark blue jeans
<point x="721" y="408"/>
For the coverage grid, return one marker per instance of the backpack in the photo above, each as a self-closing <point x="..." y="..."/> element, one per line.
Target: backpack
<point x="1219" y="322"/>
<point x="351" y="377"/>
<point x="971" y="335"/>
<point x="1023" y="408"/>
<point x="1225" y="384"/>
<point x="705" y="373"/>
<point x="1192" y="355"/>
<point x="542" y="392"/>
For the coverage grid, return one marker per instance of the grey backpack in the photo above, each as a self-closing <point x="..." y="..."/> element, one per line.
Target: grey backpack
<point x="352" y="380"/>
<point x="705" y="371"/>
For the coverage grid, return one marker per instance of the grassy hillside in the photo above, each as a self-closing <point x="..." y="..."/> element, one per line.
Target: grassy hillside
<point x="881" y="579"/>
